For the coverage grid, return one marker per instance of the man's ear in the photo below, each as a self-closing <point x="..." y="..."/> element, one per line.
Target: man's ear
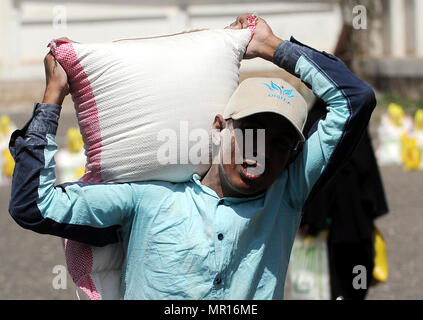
<point x="219" y="122"/>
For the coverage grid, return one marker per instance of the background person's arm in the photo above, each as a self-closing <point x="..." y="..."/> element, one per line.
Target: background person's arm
<point x="86" y="212"/>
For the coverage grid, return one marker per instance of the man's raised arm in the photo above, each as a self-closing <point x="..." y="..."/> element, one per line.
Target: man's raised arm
<point x="86" y="212"/>
<point x="350" y="103"/>
<point x="331" y="141"/>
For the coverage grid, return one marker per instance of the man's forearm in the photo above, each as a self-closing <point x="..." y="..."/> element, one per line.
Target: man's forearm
<point x="27" y="147"/>
<point x="267" y="50"/>
<point x="87" y="212"/>
<point x="299" y="59"/>
<point x="331" y="81"/>
<point x="53" y="96"/>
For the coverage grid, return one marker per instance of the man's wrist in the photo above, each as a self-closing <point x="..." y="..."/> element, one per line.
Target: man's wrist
<point x="268" y="50"/>
<point x="53" y="96"/>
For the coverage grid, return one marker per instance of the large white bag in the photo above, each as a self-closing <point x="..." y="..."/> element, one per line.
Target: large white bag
<point x="125" y="93"/>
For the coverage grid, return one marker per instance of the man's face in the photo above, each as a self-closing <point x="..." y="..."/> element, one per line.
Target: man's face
<point x="258" y="171"/>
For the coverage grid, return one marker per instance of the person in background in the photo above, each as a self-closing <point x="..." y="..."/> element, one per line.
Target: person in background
<point x="348" y="205"/>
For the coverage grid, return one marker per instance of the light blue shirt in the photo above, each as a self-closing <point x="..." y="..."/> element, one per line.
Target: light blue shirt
<point x="187" y="243"/>
<point x="182" y="241"/>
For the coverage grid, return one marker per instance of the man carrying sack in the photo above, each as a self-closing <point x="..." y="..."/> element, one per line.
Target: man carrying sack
<point x="229" y="233"/>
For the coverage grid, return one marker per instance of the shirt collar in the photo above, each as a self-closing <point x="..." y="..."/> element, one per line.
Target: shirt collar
<point x="196" y="179"/>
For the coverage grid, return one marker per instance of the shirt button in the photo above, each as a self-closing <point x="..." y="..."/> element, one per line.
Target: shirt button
<point x="220" y="236"/>
<point x="218" y="280"/>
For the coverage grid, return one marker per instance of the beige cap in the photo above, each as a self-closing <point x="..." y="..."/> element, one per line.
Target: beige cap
<point x="256" y="95"/>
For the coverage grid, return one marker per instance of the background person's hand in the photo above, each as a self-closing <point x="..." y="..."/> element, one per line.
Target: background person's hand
<point x="263" y="43"/>
<point x="57" y="87"/>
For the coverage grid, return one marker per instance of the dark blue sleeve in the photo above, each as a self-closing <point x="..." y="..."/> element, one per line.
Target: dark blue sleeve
<point x="91" y="213"/>
<point x="331" y="140"/>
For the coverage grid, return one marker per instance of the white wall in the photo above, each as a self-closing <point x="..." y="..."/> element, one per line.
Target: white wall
<point x="27" y="26"/>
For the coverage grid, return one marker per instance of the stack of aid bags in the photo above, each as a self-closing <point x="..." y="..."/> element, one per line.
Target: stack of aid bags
<point x="412" y="145"/>
<point x="124" y="93"/>
<point x="394" y="124"/>
<point x="401" y="139"/>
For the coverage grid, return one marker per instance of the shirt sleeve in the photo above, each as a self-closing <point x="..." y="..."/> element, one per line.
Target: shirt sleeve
<point x="91" y="213"/>
<point x="331" y="141"/>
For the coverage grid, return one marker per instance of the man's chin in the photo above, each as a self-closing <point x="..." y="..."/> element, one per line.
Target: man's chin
<point x="250" y="183"/>
<point x="244" y="183"/>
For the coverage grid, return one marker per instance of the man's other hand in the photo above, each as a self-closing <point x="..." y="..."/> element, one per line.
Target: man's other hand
<point x="263" y="43"/>
<point x="57" y="86"/>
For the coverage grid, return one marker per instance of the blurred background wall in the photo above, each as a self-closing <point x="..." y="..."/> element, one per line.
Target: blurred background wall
<point x="389" y="48"/>
<point x="393" y="45"/>
<point x="28" y="25"/>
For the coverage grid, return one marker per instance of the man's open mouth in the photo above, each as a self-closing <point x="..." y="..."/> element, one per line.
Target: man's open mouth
<point x="251" y="169"/>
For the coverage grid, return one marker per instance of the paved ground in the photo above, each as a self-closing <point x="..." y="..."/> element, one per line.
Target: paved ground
<point x="27" y="259"/>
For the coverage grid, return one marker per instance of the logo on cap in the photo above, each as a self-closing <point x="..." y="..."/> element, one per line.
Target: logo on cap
<point x="282" y="93"/>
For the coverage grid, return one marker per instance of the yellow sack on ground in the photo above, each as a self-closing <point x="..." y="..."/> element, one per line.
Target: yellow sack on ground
<point x="380" y="269"/>
<point x="8" y="163"/>
<point x="418" y="120"/>
<point x="410" y="153"/>
<point x="396" y="114"/>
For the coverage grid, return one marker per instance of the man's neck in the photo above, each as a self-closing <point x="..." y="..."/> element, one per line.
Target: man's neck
<point x="214" y="179"/>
